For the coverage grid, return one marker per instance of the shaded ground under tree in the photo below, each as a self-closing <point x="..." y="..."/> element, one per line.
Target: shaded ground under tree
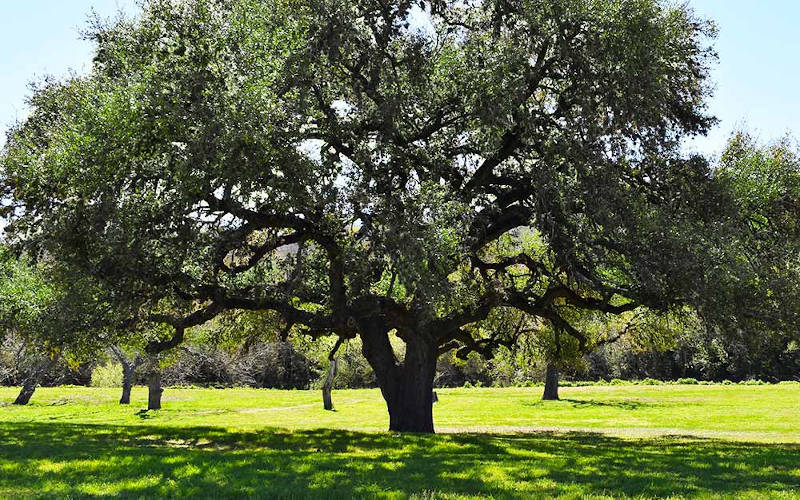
<point x="88" y="460"/>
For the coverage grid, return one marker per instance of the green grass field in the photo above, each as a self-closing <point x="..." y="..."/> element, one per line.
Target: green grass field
<point x="598" y="442"/>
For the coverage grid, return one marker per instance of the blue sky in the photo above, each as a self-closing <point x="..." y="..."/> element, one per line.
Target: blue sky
<point x="756" y="79"/>
<point x="42" y="37"/>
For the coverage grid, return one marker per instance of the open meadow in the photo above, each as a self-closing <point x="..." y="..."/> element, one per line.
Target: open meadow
<point x="597" y="442"/>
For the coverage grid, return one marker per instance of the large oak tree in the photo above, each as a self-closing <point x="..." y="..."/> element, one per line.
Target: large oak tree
<point x="371" y="167"/>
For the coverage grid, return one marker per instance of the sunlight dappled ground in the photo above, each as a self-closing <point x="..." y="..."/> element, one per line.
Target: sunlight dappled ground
<point x="651" y="441"/>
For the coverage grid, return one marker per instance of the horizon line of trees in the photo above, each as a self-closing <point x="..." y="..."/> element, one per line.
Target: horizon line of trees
<point x="690" y="354"/>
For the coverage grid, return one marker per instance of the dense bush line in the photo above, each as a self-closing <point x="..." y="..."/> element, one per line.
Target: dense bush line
<point x="285" y="365"/>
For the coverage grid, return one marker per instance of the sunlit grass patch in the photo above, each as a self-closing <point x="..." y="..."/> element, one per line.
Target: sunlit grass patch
<point x="620" y="442"/>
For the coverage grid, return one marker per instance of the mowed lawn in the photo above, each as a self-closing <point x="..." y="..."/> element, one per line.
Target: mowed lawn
<point x="598" y="442"/>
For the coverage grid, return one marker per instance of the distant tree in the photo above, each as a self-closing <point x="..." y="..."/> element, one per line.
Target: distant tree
<point x="129" y="362"/>
<point x="747" y="327"/>
<point x="765" y="182"/>
<point x="51" y="318"/>
<point x="363" y="168"/>
<point x="641" y="330"/>
<point x="24" y="300"/>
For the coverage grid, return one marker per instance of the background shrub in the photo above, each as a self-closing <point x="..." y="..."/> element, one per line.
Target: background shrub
<point x="108" y="374"/>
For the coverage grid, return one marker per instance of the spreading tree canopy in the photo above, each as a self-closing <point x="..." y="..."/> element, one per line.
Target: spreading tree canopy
<point x="368" y="167"/>
<point x="764" y="182"/>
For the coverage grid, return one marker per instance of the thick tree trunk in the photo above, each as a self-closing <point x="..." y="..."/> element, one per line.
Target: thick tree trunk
<point x="327" y="386"/>
<point x="551" y="383"/>
<point x="128" y="374"/>
<point x="410" y="401"/>
<point x="27" y="391"/>
<point x="407" y="387"/>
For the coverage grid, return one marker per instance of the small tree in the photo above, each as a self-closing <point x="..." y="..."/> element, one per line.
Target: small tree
<point x="642" y="329"/>
<point x="49" y="313"/>
<point x="24" y="300"/>
<point x="129" y="362"/>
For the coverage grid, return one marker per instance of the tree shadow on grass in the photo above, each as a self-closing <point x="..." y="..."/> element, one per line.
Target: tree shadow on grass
<point x="70" y="460"/>
<point x="625" y="404"/>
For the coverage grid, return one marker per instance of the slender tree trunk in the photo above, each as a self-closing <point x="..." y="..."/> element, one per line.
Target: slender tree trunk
<point x="28" y="388"/>
<point x="407" y="387"/>
<point x="327" y="386"/>
<point x="128" y="374"/>
<point x="154" y="388"/>
<point x="285" y="360"/>
<point x="551" y="382"/>
<point x="32" y="380"/>
<point x="153" y="350"/>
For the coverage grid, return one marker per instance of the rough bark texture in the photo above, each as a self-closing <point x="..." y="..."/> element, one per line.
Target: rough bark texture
<point x="154" y="388"/>
<point x="327" y="386"/>
<point x="128" y="373"/>
<point x="155" y="348"/>
<point x="551" y="383"/>
<point x="410" y="400"/>
<point x="27" y="391"/>
<point x="33" y="379"/>
<point x="407" y="387"/>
